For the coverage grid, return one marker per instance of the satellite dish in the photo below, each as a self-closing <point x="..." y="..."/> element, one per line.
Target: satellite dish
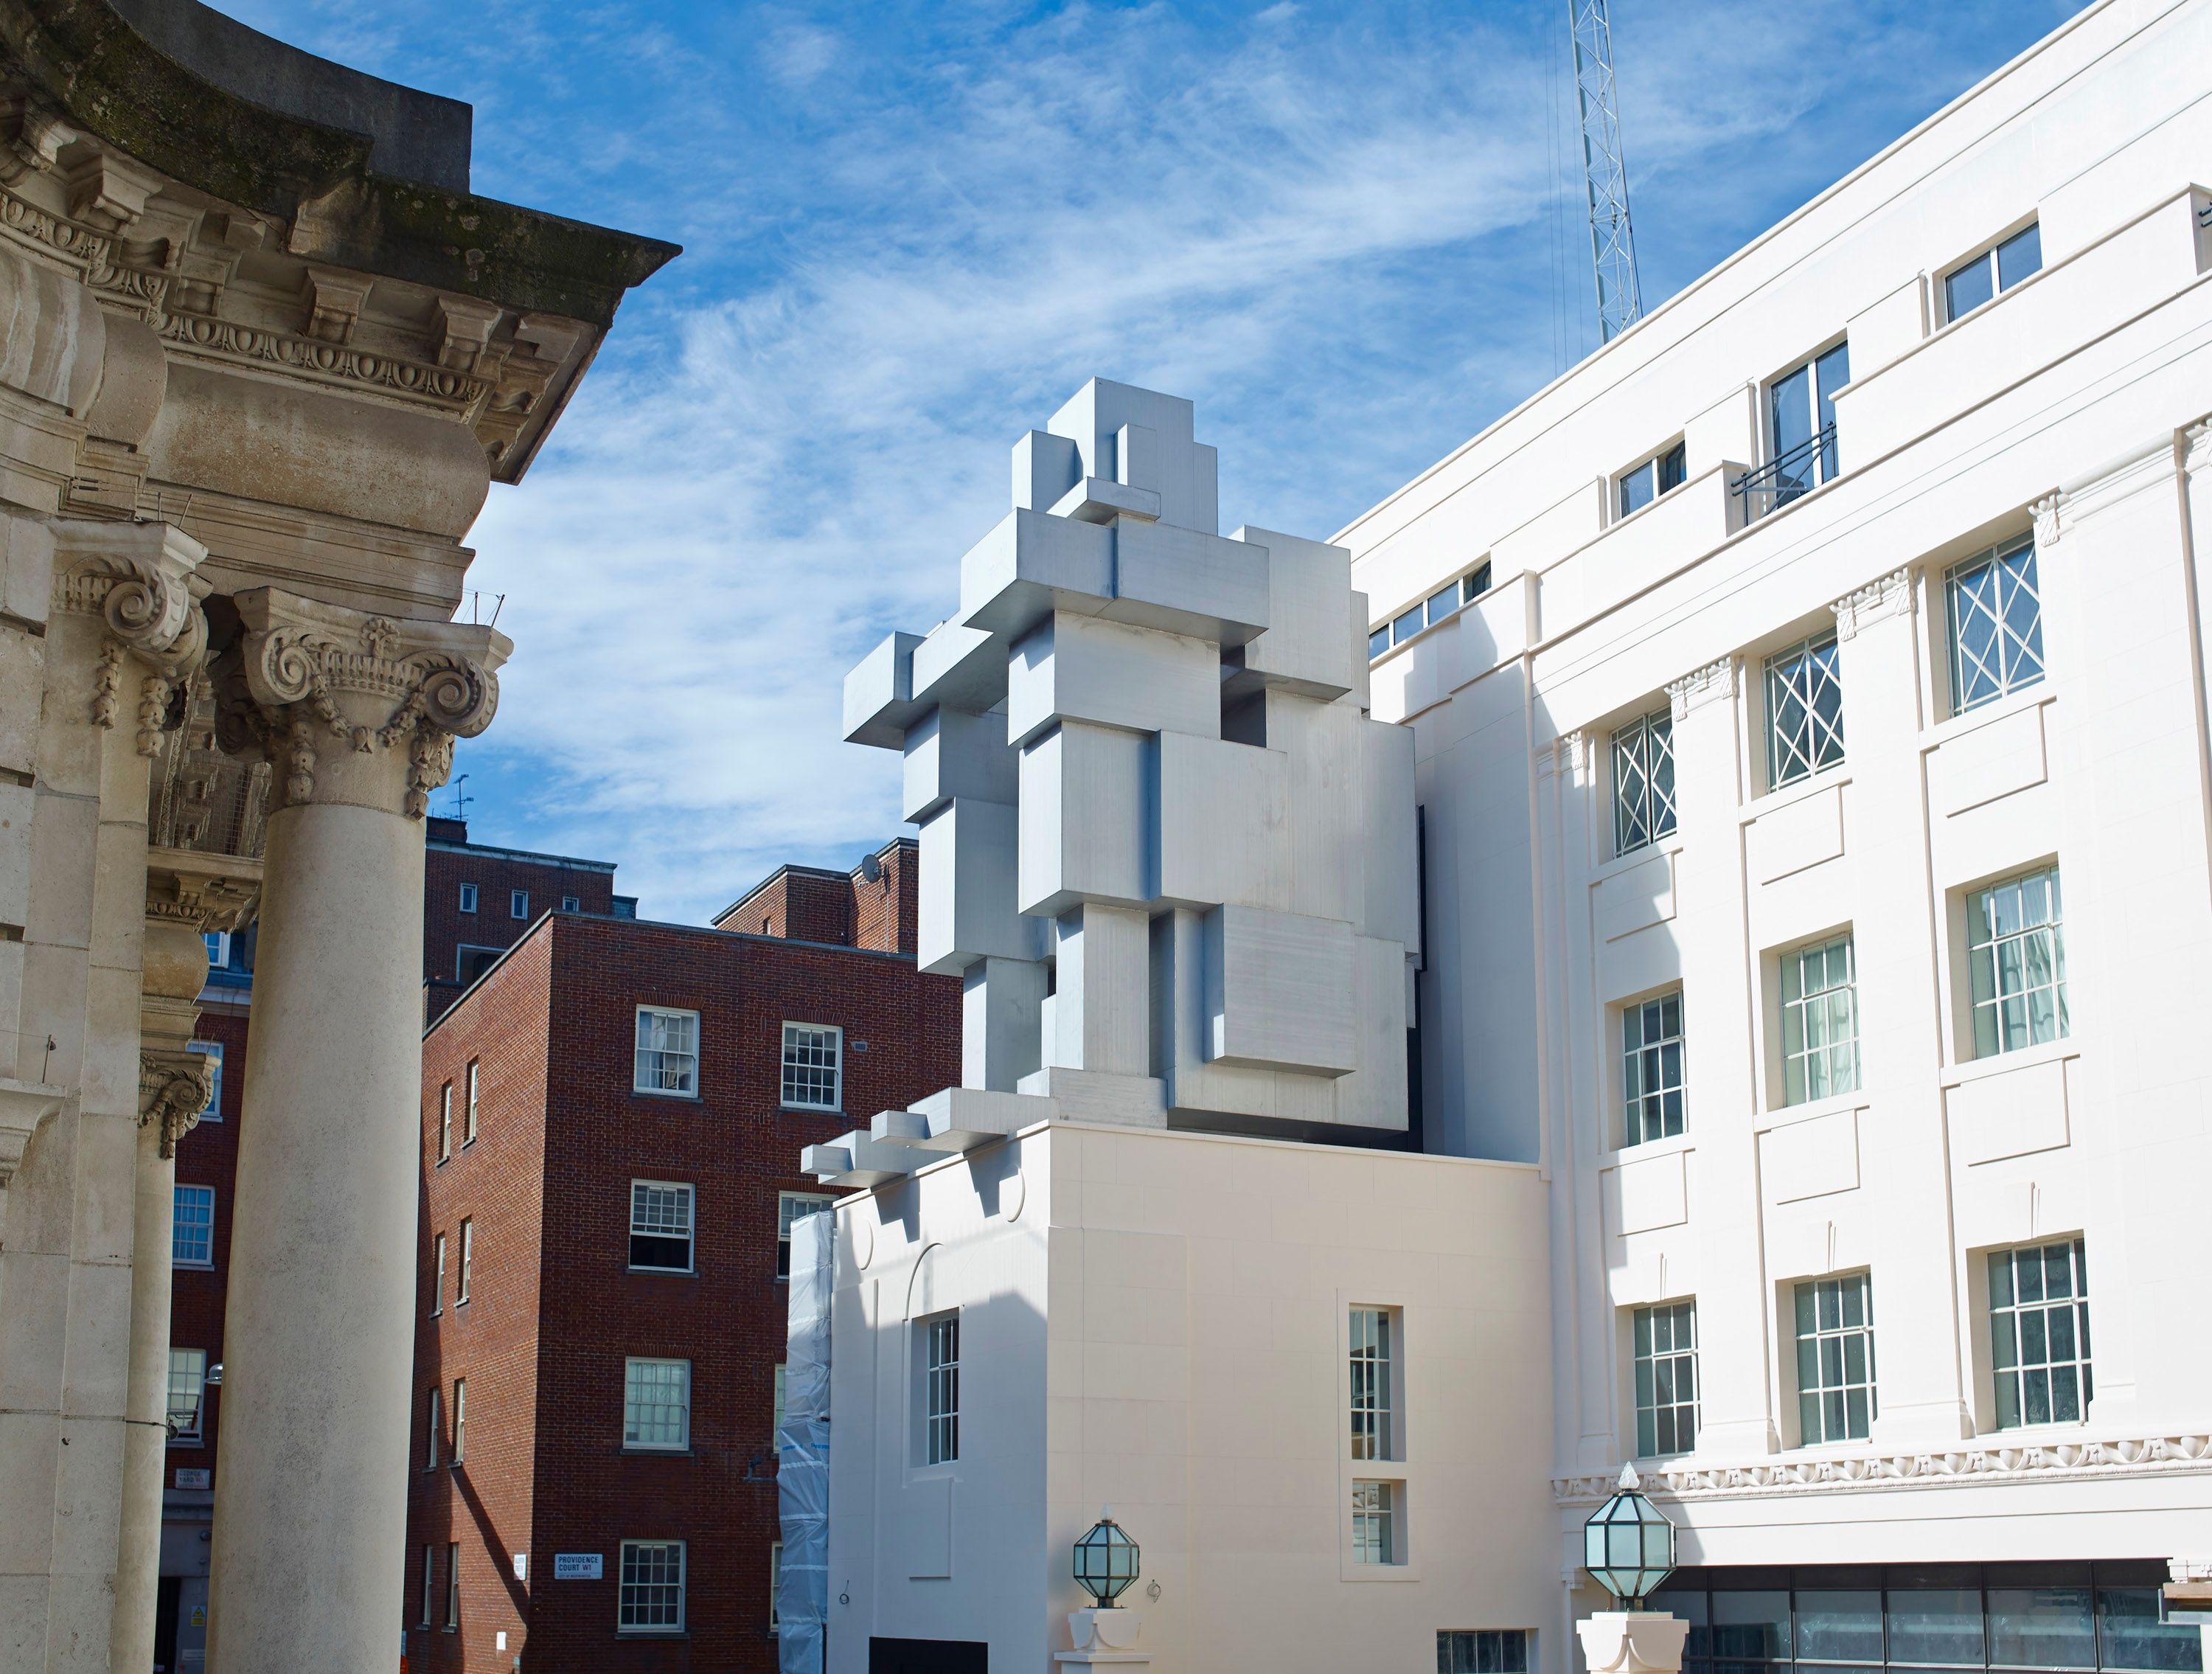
<point x="871" y="867"/>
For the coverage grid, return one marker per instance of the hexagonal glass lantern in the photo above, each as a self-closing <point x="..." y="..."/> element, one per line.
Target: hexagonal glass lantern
<point x="1628" y="1544"/>
<point x="1106" y="1561"/>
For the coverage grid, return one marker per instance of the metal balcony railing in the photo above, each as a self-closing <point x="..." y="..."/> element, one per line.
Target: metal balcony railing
<point x="1785" y="477"/>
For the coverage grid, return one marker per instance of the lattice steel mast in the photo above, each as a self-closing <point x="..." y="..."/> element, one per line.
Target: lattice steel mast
<point x="1613" y="243"/>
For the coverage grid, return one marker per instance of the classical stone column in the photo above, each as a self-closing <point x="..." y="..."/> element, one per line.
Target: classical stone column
<point x="187" y="895"/>
<point x="357" y="714"/>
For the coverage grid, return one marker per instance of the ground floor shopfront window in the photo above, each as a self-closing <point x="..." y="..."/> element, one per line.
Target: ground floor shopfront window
<point x="1930" y="1619"/>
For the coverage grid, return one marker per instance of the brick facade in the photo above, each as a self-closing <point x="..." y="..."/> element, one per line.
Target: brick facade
<point x="555" y="1308"/>
<point x="546" y="883"/>
<point x="872" y="906"/>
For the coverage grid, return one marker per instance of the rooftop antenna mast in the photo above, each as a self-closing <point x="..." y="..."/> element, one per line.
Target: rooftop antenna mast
<point x="1612" y="244"/>
<point x="460" y="798"/>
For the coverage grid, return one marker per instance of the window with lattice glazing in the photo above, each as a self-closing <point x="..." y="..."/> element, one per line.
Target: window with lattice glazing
<point x="2016" y="962"/>
<point x="809" y="1066"/>
<point x="1644" y="782"/>
<point x="2039" y="1334"/>
<point x="1995" y="608"/>
<point x="652" y="1596"/>
<point x="1651" y="1068"/>
<point x="1804" y="711"/>
<point x="940" y="1390"/>
<point x="1665" y="1379"/>
<point x="1835" y="1359"/>
<point x="1370" y="1383"/>
<point x="1819" y="1022"/>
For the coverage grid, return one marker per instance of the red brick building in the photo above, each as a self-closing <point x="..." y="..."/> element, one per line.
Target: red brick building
<point x="611" y="1115"/>
<point x="471" y="896"/>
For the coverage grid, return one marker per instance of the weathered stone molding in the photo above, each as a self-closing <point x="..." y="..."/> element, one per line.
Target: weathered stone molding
<point x="306" y="674"/>
<point x="204" y="892"/>
<point x="1715" y="680"/>
<point x="23" y="1106"/>
<point x="2075" y="503"/>
<point x="173" y="1089"/>
<point x="1961" y="1466"/>
<point x="141" y="580"/>
<point x="1893" y="595"/>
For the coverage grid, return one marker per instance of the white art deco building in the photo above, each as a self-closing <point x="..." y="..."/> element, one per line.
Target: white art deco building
<point x="1779" y="752"/>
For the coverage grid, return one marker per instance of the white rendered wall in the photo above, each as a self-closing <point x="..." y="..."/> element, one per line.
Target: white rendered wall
<point x="1157" y="1322"/>
<point x="2068" y="407"/>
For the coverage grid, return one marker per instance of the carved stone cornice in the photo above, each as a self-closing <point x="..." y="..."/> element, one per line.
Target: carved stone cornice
<point x="1715" y="679"/>
<point x="2196" y="447"/>
<point x="1966" y="1465"/>
<point x="174" y="1090"/>
<point x="305" y="675"/>
<point x="1893" y="595"/>
<point x="201" y="892"/>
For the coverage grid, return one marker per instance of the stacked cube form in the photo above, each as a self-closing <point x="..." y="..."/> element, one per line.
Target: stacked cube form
<point x="1166" y="847"/>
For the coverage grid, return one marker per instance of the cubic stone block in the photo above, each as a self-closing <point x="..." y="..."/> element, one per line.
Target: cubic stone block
<point x="966" y="911"/>
<point x="1279" y="991"/>
<point x="949" y="753"/>
<point x="1082" y="668"/>
<point x="1303" y="647"/>
<point x="1083" y="825"/>
<point x="1221" y="832"/>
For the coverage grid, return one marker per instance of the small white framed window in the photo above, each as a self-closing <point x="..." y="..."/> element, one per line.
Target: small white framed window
<point x="430" y="1446"/>
<point x="789" y="1206"/>
<point x="651" y="1587"/>
<point x="667" y="1051"/>
<point x="187" y="1389"/>
<point x="429" y="1582"/>
<point x="660" y="1225"/>
<point x="656" y="1404"/>
<point x="468" y="898"/>
<point x="1982" y="277"/>
<point x="1653" y="1089"/>
<point x="812" y="1066"/>
<point x="469" y="1122"/>
<point x="444" y="1122"/>
<point x="1993" y="607"/>
<point x="1644" y="780"/>
<point x="212" y="1050"/>
<point x="1640" y="484"/>
<point x="774" y="1586"/>
<point x="1666" y="1357"/>
<point x="1374" y="1514"/>
<point x="2016" y="964"/>
<point x="1371" y="1340"/>
<point x="1483" y="1650"/>
<point x="571" y="903"/>
<point x="1819" y="1021"/>
<point x="518" y="903"/>
<point x="1835" y="1359"/>
<point x="453" y="1587"/>
<point x="468" y="1250"/>
<point x="437" y="1274"/>
<point x="191" y="1240"/>
<point x="217" y="943"/>
<point x="941" y="1388"/>
<point x="460" y="1420"/>
<point x="2039" y="1334"/>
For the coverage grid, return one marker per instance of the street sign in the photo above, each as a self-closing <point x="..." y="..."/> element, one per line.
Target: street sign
<point x="578" y="1566"/>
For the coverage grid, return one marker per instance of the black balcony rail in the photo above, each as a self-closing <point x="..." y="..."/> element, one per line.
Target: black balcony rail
<point x="1785" y="477"/>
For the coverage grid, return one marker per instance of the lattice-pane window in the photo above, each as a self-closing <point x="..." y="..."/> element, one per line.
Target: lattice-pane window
<point x="789" y="1207"/>
<point x="1996" y="610"/>
<point x="652" y="1598"/>
<point x="191" y="1238"/>
<point x="1370" y="1383"/>
<point x="1665" y="1379"/>
<point x="1374" y="1520"/>
<point x="667" y="1051"/>
<point x="2016" y="964"/>
<point x="940" y="1388"/>
<point x="2039" y="1333"/>
<point x="1804" y="710"/>
<point x="656" y="1403"/>
<point x="212" y="1049"/>
<point x="1819" y="1022"/>
<point x="1644" y="782"/>
<point x="187" y="1388"/>
<point x="1651" y="1068"/>
<point x="1483" y="1650"/>
<point x="660" y="1225"/>
<point x="1835" y="1359"/>
<point x="809" y="1066"/>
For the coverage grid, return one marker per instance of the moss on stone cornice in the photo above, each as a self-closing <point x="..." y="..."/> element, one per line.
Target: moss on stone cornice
<point x="109" y="79"/>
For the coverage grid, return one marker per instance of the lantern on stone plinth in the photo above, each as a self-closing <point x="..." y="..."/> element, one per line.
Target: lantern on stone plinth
<point x="1106" y="1561"/>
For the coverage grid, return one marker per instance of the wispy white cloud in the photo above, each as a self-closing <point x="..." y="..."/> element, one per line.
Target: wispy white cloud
<point x="1335" y="230"/>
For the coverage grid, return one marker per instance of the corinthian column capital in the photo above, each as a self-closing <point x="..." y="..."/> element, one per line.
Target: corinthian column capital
<point x="337" y="698"/>
<point x="173" y="1089"/>
<point x="141" y="582"/>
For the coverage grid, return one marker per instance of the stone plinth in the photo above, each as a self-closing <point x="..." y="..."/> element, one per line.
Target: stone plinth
<point x="1632" y="1642"/>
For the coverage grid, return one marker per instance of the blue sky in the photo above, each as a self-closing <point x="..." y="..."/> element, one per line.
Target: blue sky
<point x="911" y="232"/>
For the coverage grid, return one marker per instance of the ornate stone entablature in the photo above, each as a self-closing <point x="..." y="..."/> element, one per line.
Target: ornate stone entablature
<point x="140" y="579"/>
<point x="1700" y="686"/>
<point x="305" y="675"/>
<point x="1893" y="595"/>
<point x="1967" y="1465"/>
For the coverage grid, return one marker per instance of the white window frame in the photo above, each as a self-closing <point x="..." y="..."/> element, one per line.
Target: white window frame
<point x="217" y="943"/>
<point x="1655" y="468"/>
<point x="430" y="1583"/>
<point x="634" y="1390"/>
<point x="652" y="1065"/>
<point x="651" y="1228"/>
<point x="469" y="1120"/>
<point x="518" y="903"/>
<point x="2010" y="1363"/>
<point x="2021" y="660"/>
<point x="1819" y="1026"/>
<point x="775" y="1580"/>
<point x="936" y="1387"/>
<point x="624" y="1604"/>
<point x="1803" y="683"/>
<point x="468" y="898"/>
<point x="1377" y="1523"/>
<point x="1659" y="1415"/>
<point x="1486" y="1653"/>
<point x="572" y="903"/>
<point x="1990" y="257"/>
<point x="212" y="1111"/>
<point x="187" y="1373"/>
<point x="460" y="1422"/>
<point x="1645" y="1082"/>
<point x="430" y="1448"/>
<point x="437" y="1274"/>
<point x="796" y="1039"/>
<point x="1823" y="1331"/>
<point x="1371" y="1351"/>
<point x="198" y="1194"/>
<point x="468" y="1251"/>
<point x="445" y="1122"/>
<point x="1644" y="812"/>
<point x="453" y="1587"/>
<point x="785" y="1213"/>
<point x="2028" y="939"/>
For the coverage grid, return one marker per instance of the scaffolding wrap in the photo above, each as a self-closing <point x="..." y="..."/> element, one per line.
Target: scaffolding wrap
<point x="802" y="1448"/>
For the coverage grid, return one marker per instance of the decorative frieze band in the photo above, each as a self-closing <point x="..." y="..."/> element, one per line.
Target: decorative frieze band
<point x="1893" y="595"/>
<point x="1959" y="1465"/>
<point x="1715" y="680"/>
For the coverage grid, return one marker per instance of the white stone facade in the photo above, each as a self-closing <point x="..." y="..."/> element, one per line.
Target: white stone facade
<point x="1814" y="779"/>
